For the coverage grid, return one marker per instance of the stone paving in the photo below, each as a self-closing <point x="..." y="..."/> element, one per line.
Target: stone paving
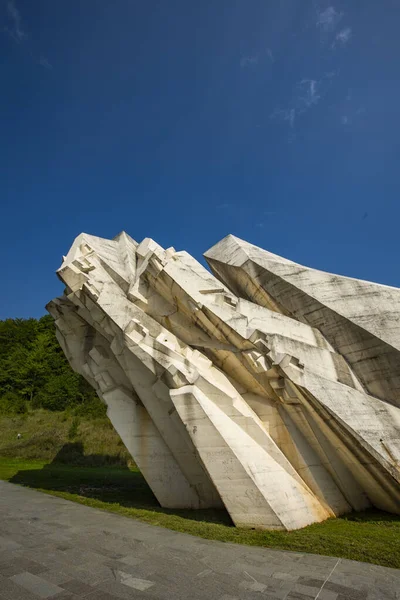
<point x="52" y="548"/>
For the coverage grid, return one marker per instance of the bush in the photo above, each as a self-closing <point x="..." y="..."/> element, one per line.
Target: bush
<point x="93" y="408"/>
<point x="12" y="404"/>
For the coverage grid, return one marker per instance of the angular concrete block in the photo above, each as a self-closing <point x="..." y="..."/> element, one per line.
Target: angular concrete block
<point x="268" y="388"/>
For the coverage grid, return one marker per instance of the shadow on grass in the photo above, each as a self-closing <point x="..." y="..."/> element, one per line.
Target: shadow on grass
<point x="112" y="484"/>
<point x="373" y="516"/>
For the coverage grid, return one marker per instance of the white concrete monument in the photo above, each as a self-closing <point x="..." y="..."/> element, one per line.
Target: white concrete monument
<point x="270" y="388"/>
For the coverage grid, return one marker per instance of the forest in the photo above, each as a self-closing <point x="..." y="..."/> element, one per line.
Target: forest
<point x="34" y="372"/>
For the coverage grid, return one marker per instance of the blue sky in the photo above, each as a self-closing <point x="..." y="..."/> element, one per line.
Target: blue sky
<point x="277" y="121"/>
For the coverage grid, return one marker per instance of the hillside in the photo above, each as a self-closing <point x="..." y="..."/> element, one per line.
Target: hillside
<point x="57" y="413"/>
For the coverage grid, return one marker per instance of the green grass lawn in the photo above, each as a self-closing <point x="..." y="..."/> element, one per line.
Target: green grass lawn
<point x="371" y="536"/>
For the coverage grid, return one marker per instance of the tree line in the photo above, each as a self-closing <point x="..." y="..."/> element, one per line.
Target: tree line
<point x="34" y="372"/>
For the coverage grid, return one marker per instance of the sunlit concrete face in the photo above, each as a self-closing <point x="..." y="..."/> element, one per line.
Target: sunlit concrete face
<point x="268" y="388"/>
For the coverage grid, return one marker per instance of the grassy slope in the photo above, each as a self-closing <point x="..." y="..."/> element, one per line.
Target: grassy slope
<point x="59" y="436"/>
<point x="372" y="536"/>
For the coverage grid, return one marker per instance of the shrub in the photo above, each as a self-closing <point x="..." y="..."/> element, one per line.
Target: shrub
<point x="92" y="408"/>
<point x="12" y="403"/>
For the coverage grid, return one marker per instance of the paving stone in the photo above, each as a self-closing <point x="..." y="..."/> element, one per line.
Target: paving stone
<point x="131" y="560"/>
<point x="117" y="590"/>
<point x="7" y="545"/>
<point x="110" y="553"/>
<point x="143" y="569"/>
<point x="345" y="591"/>
<point x="77" y="587"/>
<point x="377" y="595"/>
<point x="36" y="585"/>
<point x="254" y="586"/>
<point x="19" y="565"/>
<point x="285" y="576"/>
<point x="59" y="576"/>
<point x="10" y="590"/>
<point x="258" y="572"/>
<point x="327" y="595"/>
<point x="306" y="590"/>
<point x="310" y="582"/>
<point x="279" y="594"/>
<point x="75" y="556"/>
<point x="99" y="595"/>
<point x="93" y="577"/>
<point x="48" y="558"/>
<point x="297" y="596"/>
<point x="274" y="585"/>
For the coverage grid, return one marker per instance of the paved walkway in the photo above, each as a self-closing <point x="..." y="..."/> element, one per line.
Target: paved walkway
<point x="52" y="548"/>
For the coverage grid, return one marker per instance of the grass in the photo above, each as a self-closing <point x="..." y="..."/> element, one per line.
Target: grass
<point x="62" y="437"/>
<point x="371" y="536"/>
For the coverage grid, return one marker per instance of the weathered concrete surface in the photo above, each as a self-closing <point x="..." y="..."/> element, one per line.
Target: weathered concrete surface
<point x="359" y="318"/>
<point x="52" y="548"/>
<point x="235" y="393"/>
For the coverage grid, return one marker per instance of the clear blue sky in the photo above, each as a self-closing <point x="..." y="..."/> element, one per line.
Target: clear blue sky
<point x="277" y="121"/>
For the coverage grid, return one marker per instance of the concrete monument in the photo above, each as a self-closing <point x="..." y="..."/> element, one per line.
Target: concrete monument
<point x="269" y="388"/>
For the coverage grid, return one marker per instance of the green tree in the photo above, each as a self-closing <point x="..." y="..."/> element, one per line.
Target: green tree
<point x="34" y="370"/>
